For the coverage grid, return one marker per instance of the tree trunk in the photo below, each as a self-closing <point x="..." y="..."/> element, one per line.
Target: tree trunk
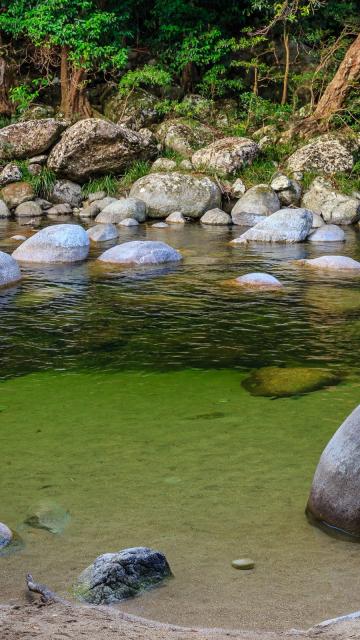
<point x="287" y="66"/>
<point x="335" y="93"/>
<point x="74" y="102"/>
<point x="6" y="107"/>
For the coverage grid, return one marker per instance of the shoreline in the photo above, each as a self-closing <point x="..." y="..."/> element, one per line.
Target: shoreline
<point x="55" y="621"/>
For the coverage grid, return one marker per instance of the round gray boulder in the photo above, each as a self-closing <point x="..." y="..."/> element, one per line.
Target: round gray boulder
<point x="122" y="209"/>
<point x="9" y="270"/>
<point x="175" y="218"/>
<point x="128" y="222"/>
<point x="216" y="217"/>
<point x="116" y="576"/>
<point x="6" y="535"/>
<point x="141" y="252"/>
<point x="333" y="263"/>
<point x="58" y="243"/>
<point x="327" y="154"/>
<point x="286" y="225"/>
<point x="66" y="192"/>
<point x="334" y="496"/>
<point x="327" y="233"/>
<point x="259" y="281"/>
<point x="164" y="193"/>
<point x="28" y="209"/>
<point x="103" y="233"/>
<point x="257" y="203"/>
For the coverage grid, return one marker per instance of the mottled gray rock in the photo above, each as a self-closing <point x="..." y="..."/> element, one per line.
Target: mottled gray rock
<point x="28" y="209"/>
<point x="286" y="225"/>
<point x="176" y="217"/>
<point x="288" y="191"/>
<point x="238" y="188"/>
<point x="25" y="139"/>
<point x="164" y="193"/>
<point x="334" y="497"/>
<point x="4" y="211"/>
<point x="216" y="217"/>
<point x="91" y="211"/>
<point x="116" y="576"/>
<point x="257" y="203"/>
<point x="135" y="109"/>
<point x="333" y="263"/>
<point x="226" y="155"/>
<point x="41" y="159"/>
<point x="334" y="207"/>
<point x="327" y="233"/>
<point x="94" y="146"/>
<point x="59" y="210"/>
<point x="96" y="195"/>
<point x="10" y="173"/>
<point x="49" y="516"/>
<point x="179" y="136"/>
<point x="122" y="209"/>
<point x="6" y="535"/>
<point x="128" y="222"/>
<point x="103" y="233"/>
<point x="104" y="202"/>
<point x="280" y="182"/>
<point x="163" y="164"/>
<point x="44" y="204"/>
<point x="327" y="154"/>
<point x="259" y="281"/>
<point x="141" y="252"/>
<point x="66" y="192"/>
<point x="17" y="193"/>
<point x="186" y="165"/>
<point x="57" y="243"/>
<point x="9" y="270"/>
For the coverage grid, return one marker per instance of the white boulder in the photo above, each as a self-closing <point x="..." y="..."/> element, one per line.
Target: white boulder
<point x="286" y="225"/>
<point x="141" y="252"/>
<point x="56" y="243"/>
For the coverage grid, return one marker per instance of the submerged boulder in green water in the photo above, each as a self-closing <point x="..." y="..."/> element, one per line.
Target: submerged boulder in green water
<point x="49" y="516"/>
<point x="288" y="381"/>
<point x="116" y="576"/>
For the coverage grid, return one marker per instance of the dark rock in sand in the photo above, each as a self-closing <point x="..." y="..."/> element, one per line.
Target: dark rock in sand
<point x="288" y="381"/>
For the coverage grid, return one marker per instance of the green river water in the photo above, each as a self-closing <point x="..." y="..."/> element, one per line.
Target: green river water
<point x="121" y="400"/>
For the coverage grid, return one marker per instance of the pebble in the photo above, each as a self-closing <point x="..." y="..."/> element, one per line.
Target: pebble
<point x="243" y="564"/>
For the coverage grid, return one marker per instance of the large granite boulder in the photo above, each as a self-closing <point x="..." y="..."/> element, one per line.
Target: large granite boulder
<point x="30" y="138"/>
<point x="17" y="193"/>
<point x="279" y="382"/>
<point x="141" y="252"/>
<point x="113" y="577"/>
<point x="10" y="173"/>
<point x="93" y="146"/>
<point x="184" y="137"/>
<point x="334" y="207"/>
<point x="119" y="210"/>
<point x="327" y="154"/>
<point x="286" y="225"/>
<point x="226" y="156"/>
<point x="165" y="193"/>
<point x="58" y="243"/>
<point x="252" y="207"/>
<point x="334" y="498"/>
<point x="9" y="270"/>
<point x="66" y="192"/>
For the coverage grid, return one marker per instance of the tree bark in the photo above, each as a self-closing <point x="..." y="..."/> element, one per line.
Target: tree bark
<point x="74" y="102"/>
<point x="287" y="66"/>
<point x="335" y="93"/>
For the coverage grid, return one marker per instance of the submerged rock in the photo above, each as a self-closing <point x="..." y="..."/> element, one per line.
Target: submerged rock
<point x="334" y="496"/>
<point x="160" y="225"/>
<point x="9" y="270"/>
<point x="116" y="576"/>
<point x="226" y="155"/>
<point x="286" y="225"/>
<point x="58" y="243"/>
<point x="10" y="541"/>
<point x="334" y="263"/>
<point x="328" y="233"/>
<point x="259" y="281"/>
<point x="164" y="193"/>
<point x="49" y="516"/>
<point x="141" y="252"/>
<point x="103" y="233"/>
<point x="6" y="535"/>
<point x="288" y="381"/>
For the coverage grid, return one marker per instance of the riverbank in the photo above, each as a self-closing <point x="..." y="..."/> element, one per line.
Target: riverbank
<point x="56" y="621"/>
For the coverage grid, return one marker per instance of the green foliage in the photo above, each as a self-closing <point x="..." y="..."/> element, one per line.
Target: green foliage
<point x="24" y="95"/>
<point x="148" y="76"/>
<point x="42" y="183"/>
<point x="107" y="183"/>
<point x="137" y="170"/>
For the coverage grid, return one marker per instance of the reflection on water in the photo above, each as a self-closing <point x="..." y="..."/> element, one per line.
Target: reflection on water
<point x="133" y="417"/>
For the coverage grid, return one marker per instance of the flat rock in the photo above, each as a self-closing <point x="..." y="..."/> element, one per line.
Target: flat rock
<point x="257" y="203"/>
<point x="93" y="147"/>
<point x="244" y="564"/>
<point x="333" y="263"/>
<point x="17" y="193"/>
<point x="286" y="225"/>
<point x="216" y="217"/>
<point x="122" y="209"/>
<point x="103" y="233"/>
<point x="30" y="138"/>
<point x="57" y="243"/>
<point x="28" y="209"/>
<point x="327" y="233"/>
<point x="9" y="270"/>
<point x="164" y="193"/>
<point x="117" y="576"/>
<point x="141" y="252"/>
<point x="226" y="156"/>
<point x="334" y="496"/>
<point x="259" y="281"/>
<point x="288" y="381"/>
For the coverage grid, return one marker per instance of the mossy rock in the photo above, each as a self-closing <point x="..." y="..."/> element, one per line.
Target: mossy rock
<point x="288" y="381"/>
<point x="49" y="516"/>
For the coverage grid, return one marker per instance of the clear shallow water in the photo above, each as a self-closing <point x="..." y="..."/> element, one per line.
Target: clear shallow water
<point x="121" y="400"/>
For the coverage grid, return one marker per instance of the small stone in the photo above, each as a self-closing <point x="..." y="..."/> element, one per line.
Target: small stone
<point x="243" y="564"/>
<point x="259" y="281"/>
<point x="96" y="195"/>
<point x="38" y="159"/>
<point x="216" y="217"/>
<point x="238" y="188"/>
<point x="163" y="164"/>
<point x="60" y="209"/>
<point x="175" y="218"/>
<point x="128" y="222"/>
<point x="160" y="225"/>
<point x="44" y="204"/>
<point x="318" y="221"/>
<point x="90" y="211"/>
<point x="280" y="183"/>
<point x="4" y="211"/>
<point x="35" y="169"/>
<point x="103" y="233"/>
<point x="10" y="173"/>
<point x="104" y="202"/>
<point x="186" y="165"/>
<point x="18" y="238"/>
<point x="28" y="209"/>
